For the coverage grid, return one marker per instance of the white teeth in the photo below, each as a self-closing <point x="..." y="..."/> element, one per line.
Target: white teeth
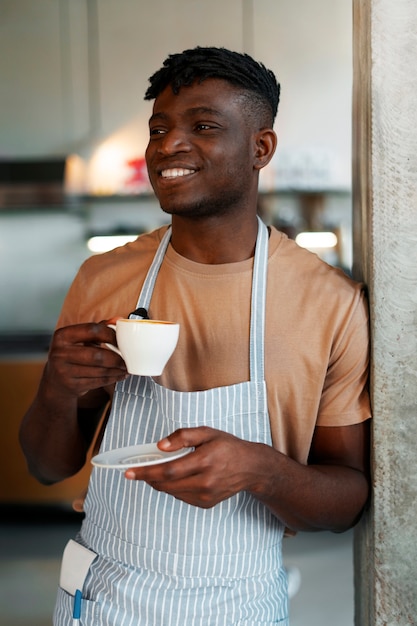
<point x="175" y="172"/>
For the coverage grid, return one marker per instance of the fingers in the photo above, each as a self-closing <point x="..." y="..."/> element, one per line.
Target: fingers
<point x="184" y="479"/>
<point x="171" y="471"/>
<point x="204" y="477"/>
<point x="83" y="334"/>
<point x="78" y="362"/>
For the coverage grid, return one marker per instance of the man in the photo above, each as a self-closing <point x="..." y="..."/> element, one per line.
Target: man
<point x="268" y="383"/>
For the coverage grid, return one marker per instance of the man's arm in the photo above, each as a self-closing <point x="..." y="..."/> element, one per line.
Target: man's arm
<point x="58" y="428"/>
<point x="330" y="492"/>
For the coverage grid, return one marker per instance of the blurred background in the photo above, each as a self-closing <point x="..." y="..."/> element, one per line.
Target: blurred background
<point x="73" y="132"/>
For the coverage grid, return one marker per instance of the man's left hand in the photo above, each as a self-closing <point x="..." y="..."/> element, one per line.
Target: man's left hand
<point x="219" y="467"/>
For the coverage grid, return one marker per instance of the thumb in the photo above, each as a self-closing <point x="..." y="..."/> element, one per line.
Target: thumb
<point x="186" y="438"/>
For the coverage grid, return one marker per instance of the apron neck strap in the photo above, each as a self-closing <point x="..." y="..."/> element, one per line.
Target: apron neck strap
<point x="258" y="304"/>
<point x="258" y="298"/>
<point x="149" y="284"/>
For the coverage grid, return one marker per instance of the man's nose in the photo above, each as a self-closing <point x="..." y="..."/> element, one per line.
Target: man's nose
<point x="175" y="140"/>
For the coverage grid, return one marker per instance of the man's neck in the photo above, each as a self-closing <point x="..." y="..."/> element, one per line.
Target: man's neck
<point x="214" y="240"/>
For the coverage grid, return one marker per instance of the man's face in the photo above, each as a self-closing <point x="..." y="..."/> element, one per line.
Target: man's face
<point x="201" y="149"/>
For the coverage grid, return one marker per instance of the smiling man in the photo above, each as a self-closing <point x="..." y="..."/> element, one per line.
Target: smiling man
<point x="268" y="384"/>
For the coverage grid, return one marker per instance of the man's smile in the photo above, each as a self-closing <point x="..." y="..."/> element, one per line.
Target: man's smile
<point x="176" y="172"/>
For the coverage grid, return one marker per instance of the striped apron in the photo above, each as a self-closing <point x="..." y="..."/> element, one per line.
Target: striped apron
<point x="162" y="562"/>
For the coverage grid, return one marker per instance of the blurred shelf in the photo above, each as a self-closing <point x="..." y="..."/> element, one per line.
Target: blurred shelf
<point x="15" y="344"/>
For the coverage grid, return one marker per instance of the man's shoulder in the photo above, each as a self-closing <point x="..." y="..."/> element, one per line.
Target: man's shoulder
<point x="108" y="284"/>
<point x="308" y="273"/>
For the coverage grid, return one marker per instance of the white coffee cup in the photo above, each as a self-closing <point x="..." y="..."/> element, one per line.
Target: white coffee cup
<point x="145" y="345"/>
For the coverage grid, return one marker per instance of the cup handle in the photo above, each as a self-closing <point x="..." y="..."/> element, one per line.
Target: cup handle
<point x="110" y="346"/>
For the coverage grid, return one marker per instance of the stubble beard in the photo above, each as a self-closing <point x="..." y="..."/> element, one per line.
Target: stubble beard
<point x="210" y="206"/>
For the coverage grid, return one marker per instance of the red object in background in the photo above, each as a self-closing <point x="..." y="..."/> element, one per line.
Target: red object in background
<point x="139" y="176"/>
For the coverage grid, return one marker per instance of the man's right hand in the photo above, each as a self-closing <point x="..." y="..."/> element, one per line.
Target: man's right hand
<point x="79" y="362"/>
<point x="78" y="379"/>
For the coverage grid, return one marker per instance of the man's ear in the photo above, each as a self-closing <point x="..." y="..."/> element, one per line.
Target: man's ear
<point x="265" y="144"/>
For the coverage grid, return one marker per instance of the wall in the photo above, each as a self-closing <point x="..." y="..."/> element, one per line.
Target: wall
<point x="73" y="74"/>
<point x="64" y="85"/>
<point x="385" y="199"/>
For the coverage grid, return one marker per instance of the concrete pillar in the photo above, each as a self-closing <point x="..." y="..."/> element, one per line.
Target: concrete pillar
<point x="385" y="250"/>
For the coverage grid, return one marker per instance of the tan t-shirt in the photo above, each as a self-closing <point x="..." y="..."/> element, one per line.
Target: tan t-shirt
<point x="316" y="346"/>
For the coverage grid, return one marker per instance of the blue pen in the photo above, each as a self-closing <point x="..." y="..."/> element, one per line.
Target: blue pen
<point x="76" y="614"/>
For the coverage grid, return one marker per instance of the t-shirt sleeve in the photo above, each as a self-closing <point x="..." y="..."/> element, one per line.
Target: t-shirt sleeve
<point x="93" y="295"/>
<point x="108" y="284"/>
<point x="72" y="308"/>
<point x="345" y="396"/>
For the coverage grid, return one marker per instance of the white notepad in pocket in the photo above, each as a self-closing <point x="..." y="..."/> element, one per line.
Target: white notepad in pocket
<point x="76" y="562"/>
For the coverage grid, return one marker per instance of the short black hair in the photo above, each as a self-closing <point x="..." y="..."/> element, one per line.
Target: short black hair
<point x="199" y="63"/>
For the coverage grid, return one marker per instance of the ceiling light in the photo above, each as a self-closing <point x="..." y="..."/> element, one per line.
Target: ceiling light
<point x="104" y="243"/>
<point x="316" y="240"/>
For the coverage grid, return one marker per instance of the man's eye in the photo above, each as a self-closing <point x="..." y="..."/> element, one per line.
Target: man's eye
<point x="204" y="127"/>
<point x="156" y="131"/>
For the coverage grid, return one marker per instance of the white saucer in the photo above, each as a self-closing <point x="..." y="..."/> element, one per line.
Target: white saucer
<point x="137" y="456"/>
